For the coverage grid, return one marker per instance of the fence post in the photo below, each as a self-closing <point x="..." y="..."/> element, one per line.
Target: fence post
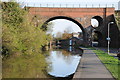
<point x="53" y="5"/>
<point x="60" y="5"/>
<point x="40" y="5"/>
<point x="99" y="5"/>
<point x="47" y="5"/>
<point x="79" y="5"/>
<point x="106" y="5"/>
<point x="86" y="5"/>
<point x="112" y="5"/>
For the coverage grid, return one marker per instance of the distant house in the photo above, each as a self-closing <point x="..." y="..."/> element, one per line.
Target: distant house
<point x="74" y="41"/>
<point x="78" y="35"/>
<point x="75" y="35"/>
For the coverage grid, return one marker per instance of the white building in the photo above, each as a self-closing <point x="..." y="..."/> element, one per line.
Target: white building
<point x="75" y="35"/>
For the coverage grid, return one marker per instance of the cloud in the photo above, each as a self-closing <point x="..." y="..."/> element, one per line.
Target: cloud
<point x="94" y="23"/>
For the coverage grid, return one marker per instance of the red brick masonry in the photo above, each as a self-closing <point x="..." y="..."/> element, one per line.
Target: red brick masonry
<point x="72" y="12"/>
<point x="83" y="15"/>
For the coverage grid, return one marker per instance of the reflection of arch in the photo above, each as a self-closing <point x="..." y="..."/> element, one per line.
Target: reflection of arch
<point x="99" y="19"/>
<point x="67" y="18"/>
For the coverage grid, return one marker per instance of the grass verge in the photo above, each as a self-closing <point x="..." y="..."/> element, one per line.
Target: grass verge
<point x="111" y="63"/>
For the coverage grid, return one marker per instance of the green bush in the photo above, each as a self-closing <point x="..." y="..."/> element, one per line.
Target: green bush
<point x="12" y="13"/>
<point x="19" y="34"/>
<point x="23" y="42"/>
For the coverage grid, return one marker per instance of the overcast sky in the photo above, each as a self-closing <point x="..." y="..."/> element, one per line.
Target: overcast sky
<point x="61" y="25"/>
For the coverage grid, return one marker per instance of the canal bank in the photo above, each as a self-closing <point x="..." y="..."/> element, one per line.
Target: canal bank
<point x="91" y="67"/>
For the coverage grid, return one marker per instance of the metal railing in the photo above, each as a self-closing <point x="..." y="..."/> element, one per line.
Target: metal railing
<point x="67" y="5"/>
<point x="70" y="5"/>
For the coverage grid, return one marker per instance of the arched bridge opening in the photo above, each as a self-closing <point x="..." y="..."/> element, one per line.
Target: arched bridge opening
<point x="97" y="30"/>
<point x="44" y="26"/>
<point x="97" y="38"/>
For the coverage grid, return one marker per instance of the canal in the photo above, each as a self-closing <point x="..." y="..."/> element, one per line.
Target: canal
<point x="61" y="63"/>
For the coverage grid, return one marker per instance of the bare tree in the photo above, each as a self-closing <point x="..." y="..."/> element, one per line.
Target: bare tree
<point x="50" y="28"/>
<point x="68" y="30"/>
<point x="59" y="35"/>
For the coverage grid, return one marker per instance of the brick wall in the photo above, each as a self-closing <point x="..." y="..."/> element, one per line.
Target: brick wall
<point x="82" y="15"/>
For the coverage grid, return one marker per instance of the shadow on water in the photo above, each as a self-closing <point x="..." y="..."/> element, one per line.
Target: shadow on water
<point x="63" y="62"/>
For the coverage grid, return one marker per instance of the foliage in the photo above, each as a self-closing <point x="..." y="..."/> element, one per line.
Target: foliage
<point x="50" y="28"/>
<point x="20" y="36"/>
<point x="66" y="35"/>
<point x="58" y="36"/>
<point x="12" y="13"/>
<point x="117" y="16"/>
<point x="110" y="62"/>
<point x="95" y="37"/>
<point x="22" y="40"/>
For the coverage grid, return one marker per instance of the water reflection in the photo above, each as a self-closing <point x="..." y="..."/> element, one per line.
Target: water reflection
<point x="24" y="66"/>
<point x="63" y="62"/>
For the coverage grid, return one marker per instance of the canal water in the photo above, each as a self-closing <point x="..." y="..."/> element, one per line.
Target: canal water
<point x="63" y="62"/>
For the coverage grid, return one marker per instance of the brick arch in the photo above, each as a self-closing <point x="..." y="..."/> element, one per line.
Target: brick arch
<point x="81" y="15"/>
<point x="67" y="18"/>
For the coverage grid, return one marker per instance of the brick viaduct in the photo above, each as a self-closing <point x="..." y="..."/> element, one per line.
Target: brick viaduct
<point x="82" y="17"/>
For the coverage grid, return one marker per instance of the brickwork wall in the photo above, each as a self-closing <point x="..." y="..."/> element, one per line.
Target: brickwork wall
<point x="82" y="15"/>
